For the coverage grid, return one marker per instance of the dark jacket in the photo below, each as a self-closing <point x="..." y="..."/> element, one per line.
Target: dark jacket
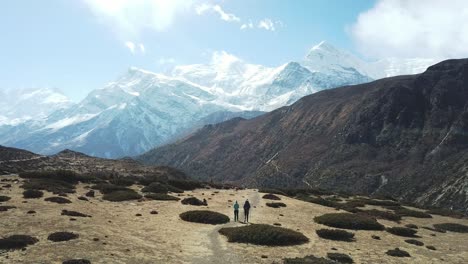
<point x="246" y="205"/>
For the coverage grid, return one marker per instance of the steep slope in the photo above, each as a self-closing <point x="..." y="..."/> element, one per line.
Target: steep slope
<point x="404" y="136"/>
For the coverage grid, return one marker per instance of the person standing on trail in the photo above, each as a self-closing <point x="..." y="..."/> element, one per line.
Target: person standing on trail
<point x="246" y="211"/>
<point x="236" y="212"/>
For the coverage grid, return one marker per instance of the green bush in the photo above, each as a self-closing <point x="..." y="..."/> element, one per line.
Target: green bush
<point x="185" y="184"/>
<point x="378" y="202"/>
<point x="4" y="198"/>
<point x="105" y="188"/>
<point x="272" y="191"/>
<point x="62" y="236"/>
<point x="412" y="213"/>
<point x="57" y="175"/>
<point x="271" y="196"/>
<point x="431" y="247"/>
<point x="161" y="197"/>
<point x="381" y="215"/>
<point x="17" y="242"/>
<point x="50" y="185"/>
<point x="276" y="205"/>
<point x="74" y="213"/>
<point x="204" y="217"/>
<point x="340" y="257"/>
<point x="452" y="227"/>
<point x="335" y="234"/>
<point x="32" y="194"/>
<point x="445" y="212"/>
<point x="59" y="200"/>
<point x="318" y="200"/>
<point x="402" y="231"/>
<point x="349" y="221"/>
<point x="123" y="181"/>
<point x="414" y="242"/>
<point x="397" y="253"/>
<point x="4" y="208"/>
<point x="193" y="201"/>
<point x="413" y="226"/>
<point x="121" y="195"/>
<point x="308" y="260"/>
<point x="158" y="187"/>
<point x="260" y="234"/>
<point x="77" y="261"/>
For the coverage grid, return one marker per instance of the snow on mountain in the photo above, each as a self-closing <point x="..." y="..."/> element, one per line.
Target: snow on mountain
<point x="142" y="109"/>
<point x="17" y="106"/>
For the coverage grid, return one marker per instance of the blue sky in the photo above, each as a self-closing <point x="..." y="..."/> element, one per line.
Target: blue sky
<point x="80" y="45"/>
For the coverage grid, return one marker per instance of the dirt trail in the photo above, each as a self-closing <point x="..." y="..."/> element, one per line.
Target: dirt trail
<point x="220" y="251"/>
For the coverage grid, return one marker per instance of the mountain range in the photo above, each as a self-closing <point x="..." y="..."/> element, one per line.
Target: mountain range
<point x="142" y="110"/>
<point x="403" y="136"/>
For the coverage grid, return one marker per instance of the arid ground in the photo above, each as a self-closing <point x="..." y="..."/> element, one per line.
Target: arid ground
<point x="115" y="234"/>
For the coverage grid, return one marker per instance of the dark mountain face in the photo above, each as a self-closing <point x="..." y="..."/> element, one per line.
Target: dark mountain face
<point x="405" y="136"/>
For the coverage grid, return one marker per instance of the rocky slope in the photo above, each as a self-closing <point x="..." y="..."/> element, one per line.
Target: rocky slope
<point x="16" y="160"/>
<point x="404" y="136"/>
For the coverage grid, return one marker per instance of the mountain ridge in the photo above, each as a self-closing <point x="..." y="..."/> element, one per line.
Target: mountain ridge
<point x="396" y="136"/>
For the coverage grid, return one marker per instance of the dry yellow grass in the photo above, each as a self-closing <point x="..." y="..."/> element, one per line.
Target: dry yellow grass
<point x="165" y="238"/>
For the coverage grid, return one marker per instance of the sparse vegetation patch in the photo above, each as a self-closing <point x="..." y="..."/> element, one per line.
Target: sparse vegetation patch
<point x="452" y="227"/>
<point x="17" y="242"/>
<point x="121" y="195"/>
<point x="414" y="242"/>
<point x="32" y="194"/>
<point x="260" y="234"/>
<point x="271" y="196"/>
<point x="57" y="199"/>
<point x="193" y="201"/>
<point x="62" y="236"/>
<point x="204" y="217"/>
<point x="4" y="198"/>
<point x="74" y="213"/>
<point x="402" y="231"/>
<point x="349" y="221"/>
<point x="276" y="205"/>
<point x="397" y="253"/>
<point x="161" y="197"/>
<point x="77" y="261"/>
<point x="308" y="260"/>
<point x="340" y="257"/>
<point x="335" y="234"/>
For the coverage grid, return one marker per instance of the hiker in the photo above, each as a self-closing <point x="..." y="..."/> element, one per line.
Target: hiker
<point x="246" y="211"/>
<point x="236" y="212"/>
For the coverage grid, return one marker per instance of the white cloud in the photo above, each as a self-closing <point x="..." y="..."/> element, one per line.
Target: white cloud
<point x="413" y="28"/>
<point x="203" y="8"/>
<point x="131" y="17"/>
<point x="164" y="61"/>
<point x="135" y="48"/>
<point x="267" y="24"/>
<point x="131" y="46"/>
<point x="249" y="25"/>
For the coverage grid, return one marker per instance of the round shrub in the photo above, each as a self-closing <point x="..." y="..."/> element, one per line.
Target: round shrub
<point x="453" y="227"/>
<point x="261" y="234"/>
<point x="122" y="195"/>
<point x="77" y="261"/>
<point x="276" y="205"/>
<point x="204" y="217"/>
<point x="381" y="215"/>
<point x="17" y="242"/>
<point x="397" y="253"/>
<point x="431" y="247"/>
<point x="311" y="259"/>
<point x="161" y="197"/>
<point x="32" y="194"/>
<point x="414" y="242"/>
<point x="59" y="200"/>
<point x="62" y="236"/>
<point x="4" y="198"/>
<point x="340" y="257"/>
<point x="402" y="231"/>
<point x="349" y="221"/>
<point x="4" y="208"/>
<point x="335" y="234"/>
<point x="412" y="213"/>
<point x="74" y="213"/>
<point x="271" y="196"/>
<point x="193" y="201"/>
